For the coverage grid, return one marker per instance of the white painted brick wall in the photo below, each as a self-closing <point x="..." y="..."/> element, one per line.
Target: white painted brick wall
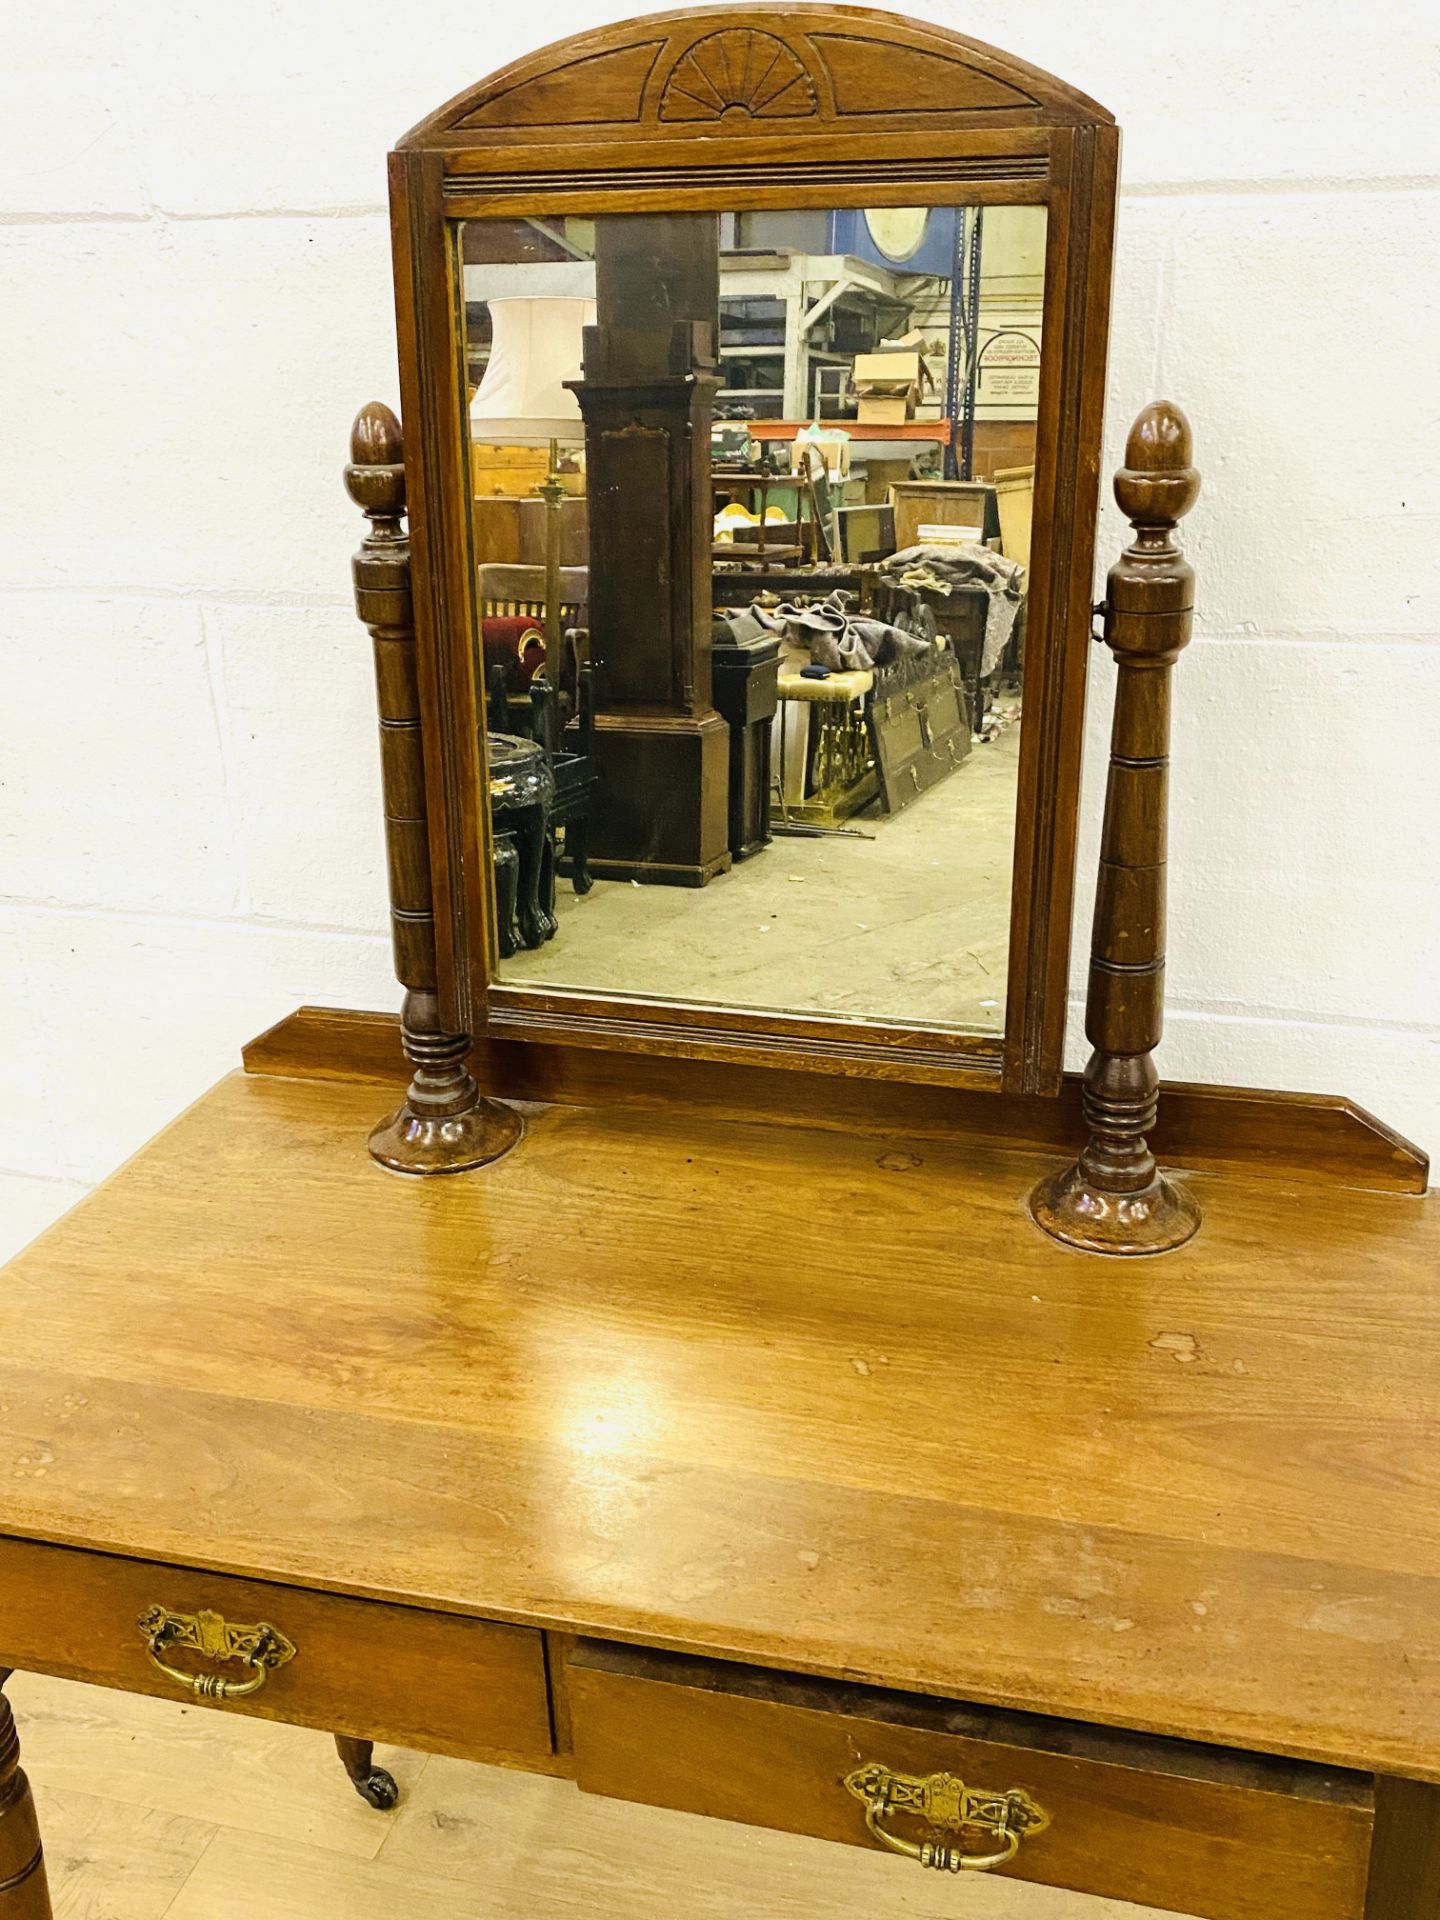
<point x="194" y="257"/>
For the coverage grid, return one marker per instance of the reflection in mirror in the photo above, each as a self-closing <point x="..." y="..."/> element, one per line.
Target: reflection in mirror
<point x="751" y="515"/>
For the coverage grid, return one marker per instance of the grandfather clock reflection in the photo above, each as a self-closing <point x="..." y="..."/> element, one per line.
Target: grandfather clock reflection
<point x="647" y="395"/>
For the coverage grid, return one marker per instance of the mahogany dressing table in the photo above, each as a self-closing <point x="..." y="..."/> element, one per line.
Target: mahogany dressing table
<point x="581" y="1466"/>
<point x="751" y="1422"/>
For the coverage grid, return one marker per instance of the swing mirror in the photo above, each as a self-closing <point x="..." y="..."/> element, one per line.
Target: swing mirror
<point x="753" y="523"/>
<point x="785" y="780"/>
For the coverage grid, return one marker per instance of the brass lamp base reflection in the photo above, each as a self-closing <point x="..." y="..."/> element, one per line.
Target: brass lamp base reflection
<point x="552" y="492"/>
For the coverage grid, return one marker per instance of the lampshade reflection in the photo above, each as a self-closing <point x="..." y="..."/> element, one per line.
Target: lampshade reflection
<point x="523" y="399"/>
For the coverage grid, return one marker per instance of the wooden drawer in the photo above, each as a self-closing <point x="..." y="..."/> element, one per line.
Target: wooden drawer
<point x="435" y="1681"/>
<point x="1193" y="1829"/>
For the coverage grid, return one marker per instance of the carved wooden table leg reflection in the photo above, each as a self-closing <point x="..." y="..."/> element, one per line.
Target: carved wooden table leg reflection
<point x="506" y="862"/>
<point x="531" y="829"/>
<point x="372" y="1783"/>
<point x="24" y="1890"/>
<point x="522" y="792"/>
<point x="577" y="852"/>
<point x="1114" y="1199"/>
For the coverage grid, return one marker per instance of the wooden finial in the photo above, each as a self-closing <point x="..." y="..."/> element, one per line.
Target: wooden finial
<point x="1157" y="486"/>
<point x="444" y="1126"/>
<point x="377" y="439"/>
<point x="1114" y="1199"/>
<point x="375" y="478"/>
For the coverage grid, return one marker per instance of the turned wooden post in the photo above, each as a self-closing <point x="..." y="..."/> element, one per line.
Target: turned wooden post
<point x="444" y="1125"/>
<point x="24" y="1892"/>
<point x="1114" y="1199"/>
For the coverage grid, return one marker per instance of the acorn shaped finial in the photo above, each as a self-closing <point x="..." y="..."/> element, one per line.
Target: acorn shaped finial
<point x="1157" y="484"/>
<point x="375" y="478"/>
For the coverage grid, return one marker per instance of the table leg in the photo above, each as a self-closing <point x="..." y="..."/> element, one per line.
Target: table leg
<point x="507" y="892"/>
<point x="549" y="925"/>
<point x="1405" y="1852"/>
<point x="24" y="1892"/>
<point x="577" y="852"/>
<point x="528" y="824"/>
<point x="372" y="1783"/>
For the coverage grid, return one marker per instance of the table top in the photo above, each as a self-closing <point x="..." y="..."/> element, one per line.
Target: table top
<point x="824" y="1401"/>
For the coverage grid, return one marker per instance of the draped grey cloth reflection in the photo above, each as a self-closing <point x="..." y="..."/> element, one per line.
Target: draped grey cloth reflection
<point x="941" y="569"/>
<point x="836" y="638"/>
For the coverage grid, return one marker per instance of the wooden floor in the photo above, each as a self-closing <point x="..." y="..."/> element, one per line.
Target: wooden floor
<point x="155" y="1809"/>
<point x="854" y="923"/>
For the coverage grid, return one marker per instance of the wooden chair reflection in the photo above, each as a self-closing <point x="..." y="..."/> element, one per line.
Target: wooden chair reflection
<point x="516" y="593"/>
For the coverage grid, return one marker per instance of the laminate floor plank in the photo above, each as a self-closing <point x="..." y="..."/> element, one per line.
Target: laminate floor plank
<point x="111" y="1861"/>
<point x="240" y="1879"/>
<point x="285" y="1783"/>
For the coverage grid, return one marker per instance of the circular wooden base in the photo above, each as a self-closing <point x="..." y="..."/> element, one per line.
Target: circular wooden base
<point x="454" y="1143"/>
<point x="1160" y="1217"/>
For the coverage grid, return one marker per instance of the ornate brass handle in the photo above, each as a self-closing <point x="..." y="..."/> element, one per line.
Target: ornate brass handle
<point x="258" y="1648"/>
<point x="943" y="1801"/>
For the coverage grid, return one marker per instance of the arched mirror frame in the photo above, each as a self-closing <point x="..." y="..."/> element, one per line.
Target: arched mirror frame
<point x="891" y="112"/>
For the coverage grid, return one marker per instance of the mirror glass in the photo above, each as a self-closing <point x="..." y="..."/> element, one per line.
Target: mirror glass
<point x="750" y="506"/>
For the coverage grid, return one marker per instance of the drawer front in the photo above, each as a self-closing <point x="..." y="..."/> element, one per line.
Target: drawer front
<point x="1162" y="1823"/>
<point x="434" y="1681"/>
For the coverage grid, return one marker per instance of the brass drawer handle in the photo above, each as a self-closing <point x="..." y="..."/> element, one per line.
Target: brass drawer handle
<point x="258" y="1648"/>
<point x="943" y="1801"/>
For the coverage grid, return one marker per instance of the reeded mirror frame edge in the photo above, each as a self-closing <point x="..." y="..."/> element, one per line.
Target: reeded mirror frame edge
<point x="1065" y="157"/>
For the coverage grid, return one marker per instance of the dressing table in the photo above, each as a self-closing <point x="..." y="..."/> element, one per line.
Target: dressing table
<point x="821" y="1418"/>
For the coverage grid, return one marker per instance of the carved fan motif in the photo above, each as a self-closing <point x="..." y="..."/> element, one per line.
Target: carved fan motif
<point x="739" y="71"/>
